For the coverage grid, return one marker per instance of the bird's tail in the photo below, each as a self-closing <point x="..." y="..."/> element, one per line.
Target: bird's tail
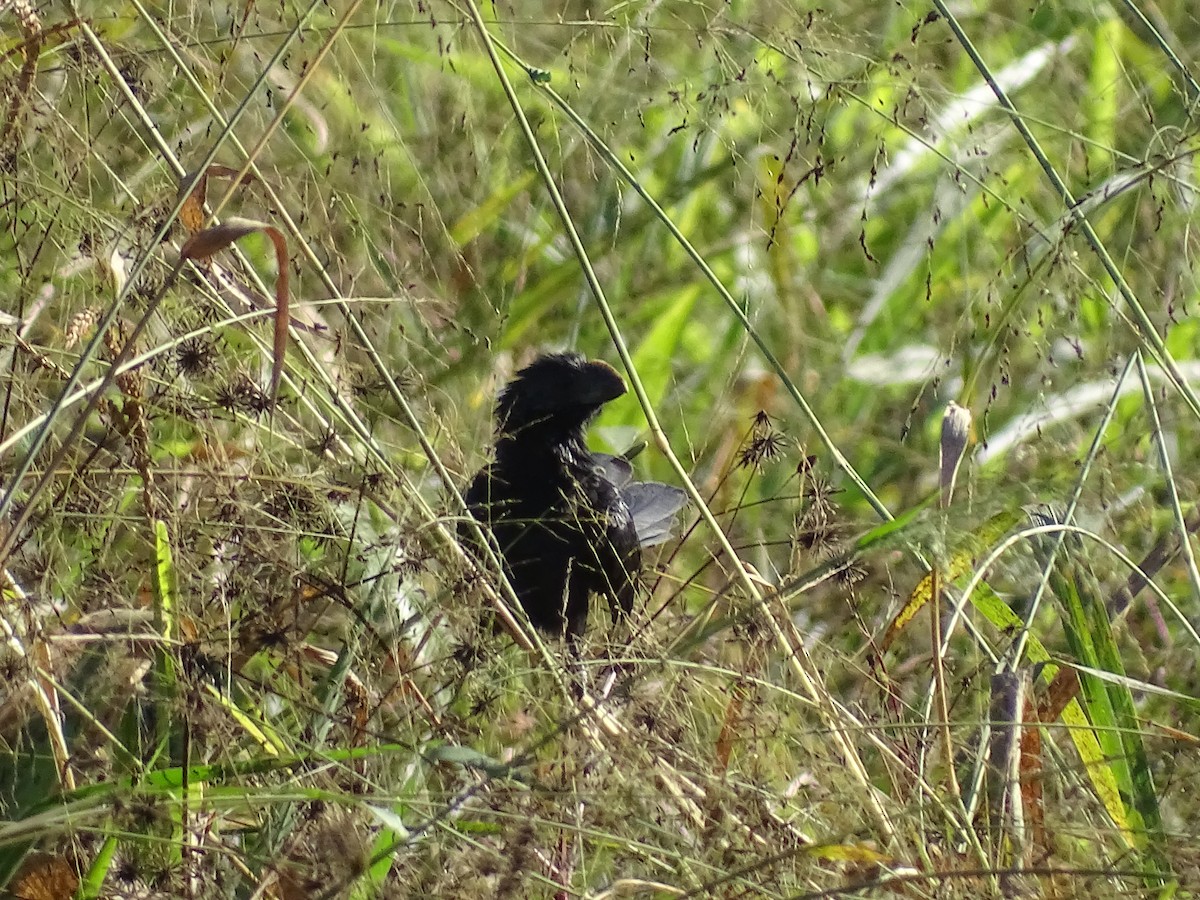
<point x="652" y="505"/>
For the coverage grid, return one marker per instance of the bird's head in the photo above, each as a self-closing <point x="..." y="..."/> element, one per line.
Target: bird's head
<point x="556" y="395"/>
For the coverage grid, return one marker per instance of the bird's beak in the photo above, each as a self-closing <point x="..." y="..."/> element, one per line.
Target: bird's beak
<point x="604" y="382"/>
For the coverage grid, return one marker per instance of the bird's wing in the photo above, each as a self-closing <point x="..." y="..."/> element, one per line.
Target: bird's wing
<point x="653" y="507"/>
<point x="616" y="469"/>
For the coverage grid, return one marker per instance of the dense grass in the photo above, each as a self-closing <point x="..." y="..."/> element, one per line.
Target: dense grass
<point x="243" y="653"/>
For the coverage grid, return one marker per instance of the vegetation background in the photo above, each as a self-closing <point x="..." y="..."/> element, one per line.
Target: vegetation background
<point x="242" y="651"/>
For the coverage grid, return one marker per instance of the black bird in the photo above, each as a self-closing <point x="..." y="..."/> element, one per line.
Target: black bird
<point x="569" y="523"/>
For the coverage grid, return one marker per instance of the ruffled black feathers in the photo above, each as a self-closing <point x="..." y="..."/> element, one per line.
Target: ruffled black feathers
<point x="569" y="523"/>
